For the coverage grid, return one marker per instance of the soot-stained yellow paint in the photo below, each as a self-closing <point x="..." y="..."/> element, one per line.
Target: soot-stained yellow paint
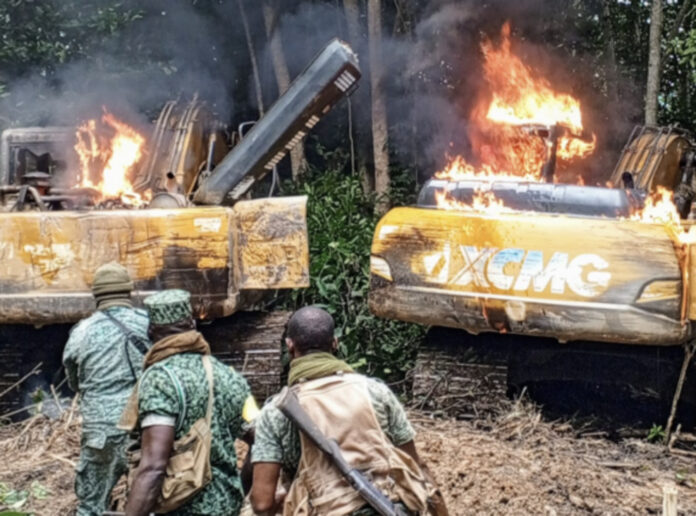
<point x="559" y="276"/>
<point x="46" y="257"/>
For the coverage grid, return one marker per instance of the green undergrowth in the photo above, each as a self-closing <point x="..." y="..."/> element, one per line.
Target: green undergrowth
<point x="341" y="221"/>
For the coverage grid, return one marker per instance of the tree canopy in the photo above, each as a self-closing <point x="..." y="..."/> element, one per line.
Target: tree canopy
<point x="58" y="47"/>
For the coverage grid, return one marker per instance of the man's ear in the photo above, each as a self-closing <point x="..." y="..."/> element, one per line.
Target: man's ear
<point x="290" y="344"/>
<point x="334" y="345"/>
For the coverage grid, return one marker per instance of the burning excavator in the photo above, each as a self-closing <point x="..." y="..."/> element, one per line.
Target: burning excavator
<point x="555" y="282"/>
<point x="173" y="207"/>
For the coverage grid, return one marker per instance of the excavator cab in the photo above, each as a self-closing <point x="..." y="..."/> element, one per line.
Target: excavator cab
<point x="28" y="150"/>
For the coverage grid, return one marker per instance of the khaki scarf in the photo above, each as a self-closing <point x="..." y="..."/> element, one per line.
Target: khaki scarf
<point x="187" y="342"/>
<point x="316" y="365"/>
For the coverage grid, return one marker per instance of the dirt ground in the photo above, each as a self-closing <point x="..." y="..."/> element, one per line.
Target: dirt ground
<point x="514" y="462"/>
<point x="517" y="463"/>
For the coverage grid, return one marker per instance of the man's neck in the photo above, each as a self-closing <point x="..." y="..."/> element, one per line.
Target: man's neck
<point x="311" y="352"/>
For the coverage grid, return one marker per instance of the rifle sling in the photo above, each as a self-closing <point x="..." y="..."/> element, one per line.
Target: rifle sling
<point x="130" y="338"/>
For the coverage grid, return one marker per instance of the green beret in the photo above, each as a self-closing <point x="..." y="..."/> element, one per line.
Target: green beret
<point x="169" y="306"/>
<point x="111" y="278"/>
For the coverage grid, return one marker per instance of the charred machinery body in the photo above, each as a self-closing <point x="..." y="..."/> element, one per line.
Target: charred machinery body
<point x="200" y="231"/>
<point x="561" y="264"/>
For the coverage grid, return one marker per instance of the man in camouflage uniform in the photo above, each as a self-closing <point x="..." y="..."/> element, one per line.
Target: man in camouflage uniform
<point x="172" y="396"/>
<point x="277" y="445"/>
<point x="102" y="359"/>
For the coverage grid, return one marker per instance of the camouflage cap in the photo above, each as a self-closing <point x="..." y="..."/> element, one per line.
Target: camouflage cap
<point x="169" y="306"/>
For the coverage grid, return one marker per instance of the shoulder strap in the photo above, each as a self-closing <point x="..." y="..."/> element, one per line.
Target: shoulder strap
<point x="132" y="338"/>
<point x="181" y="394"/>
<point x="208" y="366"/>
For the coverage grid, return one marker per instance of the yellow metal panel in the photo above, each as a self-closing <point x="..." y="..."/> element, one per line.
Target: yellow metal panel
<point x="654" y="158"/>
<point x="272" y="244"/>
<point x="572" y="278"/>
<point x="462" y="251"/>
<point x="59" y="251"/>
<point x="48" y="259"/>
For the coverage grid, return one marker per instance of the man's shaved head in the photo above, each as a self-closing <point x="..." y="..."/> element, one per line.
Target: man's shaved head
<point x="311" y="329"/>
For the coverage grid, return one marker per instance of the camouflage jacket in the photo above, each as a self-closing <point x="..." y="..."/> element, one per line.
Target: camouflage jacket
<point x="176" y="388"/>
<point x="98" y="360"/>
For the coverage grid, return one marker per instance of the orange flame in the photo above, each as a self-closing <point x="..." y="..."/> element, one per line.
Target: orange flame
<point x="483" y="201"/>
<point x="506" y="151"/>
<point x="520" y="98"/>
<point x="108" y="153"/>
<point x="459" y="170"/>
<point x="659" y="208"/>
<point x="515" y="102"/>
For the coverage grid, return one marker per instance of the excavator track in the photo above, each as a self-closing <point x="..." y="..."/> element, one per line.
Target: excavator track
<point x="465" y="375"/>
<point x="248" y="341"/>
<point x="251" y="343"/>
<point x="459" y="374"/>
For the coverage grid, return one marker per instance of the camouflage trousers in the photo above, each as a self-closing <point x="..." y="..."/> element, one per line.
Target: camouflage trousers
<point x="102" y="463"/>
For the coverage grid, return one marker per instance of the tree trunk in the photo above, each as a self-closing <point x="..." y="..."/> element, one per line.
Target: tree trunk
<point x="357" y="134"/>
<point x="298" y="162"/>
<point x="252" y="57"/>
<point x="611" y="75"/>
<point x="379" y="109"/>
<point x="352" y="11"/>
<point x="653" y="88"/>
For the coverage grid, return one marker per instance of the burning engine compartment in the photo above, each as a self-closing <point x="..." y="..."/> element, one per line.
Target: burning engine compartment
<point x="189" y="157"/>
<point x="528" y="146"/>
<point x="104" y="163"/>
<point x="61" y="168"/>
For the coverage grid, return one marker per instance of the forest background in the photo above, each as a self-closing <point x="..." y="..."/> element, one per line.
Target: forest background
<point x="628" y="61"/>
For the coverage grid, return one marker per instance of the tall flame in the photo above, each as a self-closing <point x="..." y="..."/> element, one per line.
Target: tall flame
<point x="108" y="152"/>
<point x="517" y="97"/>
<point x="516" y="103"/>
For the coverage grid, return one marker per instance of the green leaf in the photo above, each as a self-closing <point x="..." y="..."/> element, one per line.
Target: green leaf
<point x="39" y="491"/>
<point x="15" y="499"/>
<point x="358" y="363"/>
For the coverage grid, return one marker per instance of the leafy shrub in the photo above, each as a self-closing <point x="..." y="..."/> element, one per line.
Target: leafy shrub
<point x="341" y="222"/>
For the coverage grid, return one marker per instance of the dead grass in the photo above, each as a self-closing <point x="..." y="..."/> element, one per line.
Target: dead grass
<point x="513" y="462"/>
<point x="40" y="454"/>
<point x="517" y="463"/>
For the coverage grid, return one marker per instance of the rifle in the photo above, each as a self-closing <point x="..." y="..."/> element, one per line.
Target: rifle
<point x="289" y="405"/>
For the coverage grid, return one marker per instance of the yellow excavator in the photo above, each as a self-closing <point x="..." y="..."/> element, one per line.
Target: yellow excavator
<point x="201" y="231"/>
<point x="563" y="288"/>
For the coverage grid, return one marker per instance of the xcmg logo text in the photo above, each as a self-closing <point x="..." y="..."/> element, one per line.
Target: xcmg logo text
<point x="518" y="270"/>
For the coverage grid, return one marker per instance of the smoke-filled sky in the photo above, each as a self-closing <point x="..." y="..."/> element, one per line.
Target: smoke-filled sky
<point x="432" y="74"/>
